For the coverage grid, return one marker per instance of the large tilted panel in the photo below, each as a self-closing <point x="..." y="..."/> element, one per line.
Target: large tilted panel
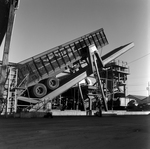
<point x="53" y="61"/>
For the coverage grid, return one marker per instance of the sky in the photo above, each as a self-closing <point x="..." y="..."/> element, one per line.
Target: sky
<point x="43" y="24"/>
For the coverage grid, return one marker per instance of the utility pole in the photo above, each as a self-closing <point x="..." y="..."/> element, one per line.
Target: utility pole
<point x="13" y="5"/>
<point x="148" y="88"/>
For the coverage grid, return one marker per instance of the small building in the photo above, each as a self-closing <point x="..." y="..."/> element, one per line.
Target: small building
<point x="138" y="103"/>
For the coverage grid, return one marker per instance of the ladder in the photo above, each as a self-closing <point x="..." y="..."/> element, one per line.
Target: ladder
<point x="10" y="92"/>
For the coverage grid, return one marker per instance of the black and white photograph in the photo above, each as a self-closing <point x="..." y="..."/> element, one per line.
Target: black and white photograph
<point x="74" y="74"/>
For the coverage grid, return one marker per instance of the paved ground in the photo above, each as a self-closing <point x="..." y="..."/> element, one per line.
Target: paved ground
<point x="108" y="132"/>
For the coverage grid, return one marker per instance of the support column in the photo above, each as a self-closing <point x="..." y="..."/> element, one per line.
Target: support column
<point x="5" y="59"/>
<point x="81" y="96"/>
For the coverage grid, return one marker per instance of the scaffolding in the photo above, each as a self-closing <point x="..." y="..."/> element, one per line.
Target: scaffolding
<point x="114" y="76"/>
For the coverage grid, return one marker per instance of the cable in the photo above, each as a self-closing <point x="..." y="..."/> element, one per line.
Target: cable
<point x="136" y="85"/>
<point x="138" y="58"/>
<point x="139" y="77"/>
<point x="138" y="91"/>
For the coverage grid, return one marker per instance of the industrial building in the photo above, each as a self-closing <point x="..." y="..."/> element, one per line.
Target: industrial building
<point x="71" y="76"/>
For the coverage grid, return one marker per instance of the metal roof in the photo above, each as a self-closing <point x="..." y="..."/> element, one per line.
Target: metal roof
<point x="140" y="99"/>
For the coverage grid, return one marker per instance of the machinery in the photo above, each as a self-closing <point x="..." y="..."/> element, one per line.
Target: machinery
<point x="49" y="76"/>
<point x="41" y="78"/>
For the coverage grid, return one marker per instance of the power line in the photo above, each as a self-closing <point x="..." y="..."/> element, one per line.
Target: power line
<point x="138" y="58"/>
<point x="138" y="91"/>
<point x="135" y="84"/>
<point x="137" y="77"/>
<point x="141" y="78"/>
